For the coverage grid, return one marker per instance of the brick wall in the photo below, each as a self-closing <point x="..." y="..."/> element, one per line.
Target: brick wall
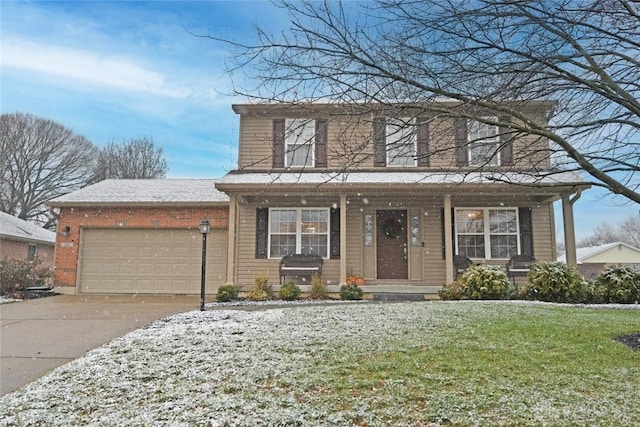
<point x="67" y="247"/>
<point x="20" y="250"/>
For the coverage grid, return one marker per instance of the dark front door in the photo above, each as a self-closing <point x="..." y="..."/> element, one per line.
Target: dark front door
<point x="392" y="248"/>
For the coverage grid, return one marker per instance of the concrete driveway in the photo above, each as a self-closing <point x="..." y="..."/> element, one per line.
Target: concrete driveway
<point x="39" y="335"/>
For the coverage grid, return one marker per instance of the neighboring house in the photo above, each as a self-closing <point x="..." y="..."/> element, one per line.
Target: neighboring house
<point x="140" y="236"/>
<point x="390" y="195"/>
<point x="23" y="240"/>
<point x="593" y="260"/>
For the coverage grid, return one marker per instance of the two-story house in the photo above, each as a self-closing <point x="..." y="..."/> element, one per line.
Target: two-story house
<point x="390" y="193"/>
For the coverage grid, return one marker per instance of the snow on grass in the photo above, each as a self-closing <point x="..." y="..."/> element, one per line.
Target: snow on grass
<point x="354" y="364"/>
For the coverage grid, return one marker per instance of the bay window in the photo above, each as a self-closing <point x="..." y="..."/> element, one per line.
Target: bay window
<point x="298" y="231"/>
<point x="487" y="233"/>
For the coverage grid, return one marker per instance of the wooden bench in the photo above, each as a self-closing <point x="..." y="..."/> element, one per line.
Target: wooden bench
<point x="300" y="265"/>
<point x="519" y="266"/>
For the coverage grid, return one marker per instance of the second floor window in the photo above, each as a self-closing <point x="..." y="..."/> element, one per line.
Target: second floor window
<point x="299" y="142"/>
<point x="401" y="142"/>
<point x="484" y="143"/>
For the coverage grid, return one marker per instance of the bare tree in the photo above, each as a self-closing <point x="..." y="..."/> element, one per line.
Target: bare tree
<point x="603" y="233"/>
<point x="490" y="58"/>
<point x="134" y="159"/>
<point x="39" y="160"/>
<point x="628" y="231"/>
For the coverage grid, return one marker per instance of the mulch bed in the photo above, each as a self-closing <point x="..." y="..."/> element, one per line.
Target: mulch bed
<point x="632" y="340"/>
<point x="30" y="294"/>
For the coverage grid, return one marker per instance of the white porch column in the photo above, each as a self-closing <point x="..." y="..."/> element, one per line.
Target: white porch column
<point x="231" y="241"/>
<point x="448" y="240"/>
<point x="569" y="231"/>
<point x="343" y="239"/>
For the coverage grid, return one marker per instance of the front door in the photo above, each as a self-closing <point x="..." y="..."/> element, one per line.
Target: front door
<point x="391" y="240"/>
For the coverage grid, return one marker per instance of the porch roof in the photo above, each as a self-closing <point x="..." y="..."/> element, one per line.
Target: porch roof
<point x="246" y="182"/>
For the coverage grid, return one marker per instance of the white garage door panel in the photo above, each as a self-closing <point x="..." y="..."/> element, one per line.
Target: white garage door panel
<point x="149" y="261"/>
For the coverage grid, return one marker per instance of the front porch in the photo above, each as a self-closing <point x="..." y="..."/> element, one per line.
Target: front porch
<point x="353" y="227"/>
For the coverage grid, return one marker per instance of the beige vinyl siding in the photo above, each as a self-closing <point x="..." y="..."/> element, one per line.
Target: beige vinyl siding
<point x="248" y="266"/>
<point x="350" y="144"/>
<point x="543" y="233"/>
<point x="434" y="264"/>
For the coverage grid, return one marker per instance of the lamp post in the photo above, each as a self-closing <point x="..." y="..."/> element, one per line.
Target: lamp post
<point x="204" y="230"/>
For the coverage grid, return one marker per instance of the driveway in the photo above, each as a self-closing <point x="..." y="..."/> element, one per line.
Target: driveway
<point x="39" y="335"/>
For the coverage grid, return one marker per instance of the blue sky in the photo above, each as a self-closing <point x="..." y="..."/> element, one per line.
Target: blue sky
<point x="118" y="70"/>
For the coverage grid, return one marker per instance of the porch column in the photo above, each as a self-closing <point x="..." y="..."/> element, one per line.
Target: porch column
<point x="343" y="239"/>
<point x="231" y="241"/>
<point x="569" y="231"/>
<point x="448" y="240"/>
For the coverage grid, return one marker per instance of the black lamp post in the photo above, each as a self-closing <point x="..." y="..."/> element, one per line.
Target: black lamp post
<point x="204" y="229"/>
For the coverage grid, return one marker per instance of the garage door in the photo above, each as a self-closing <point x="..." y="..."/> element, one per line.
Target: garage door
<point x="150" y="261"/>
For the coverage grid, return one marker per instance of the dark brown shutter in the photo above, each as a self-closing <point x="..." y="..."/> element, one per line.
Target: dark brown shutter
<point x="423" y="141"/>
<point x="462" y="145"/>
<point x="526" y="231"/>
<point x="453" y="231"/>
<point x="278" y="143"/>
<point x="379" y="142"/>
<point x="334" y="228"/>
<point x="321" y="143"/>
<point x="506" y="143"/>
<point x="262" y="230"/>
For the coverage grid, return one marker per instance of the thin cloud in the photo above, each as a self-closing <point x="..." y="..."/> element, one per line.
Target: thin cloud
<point x="105" y="70"/>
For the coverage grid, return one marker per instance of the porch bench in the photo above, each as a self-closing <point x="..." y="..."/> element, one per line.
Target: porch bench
<point x="519" y="266"/>
<point x="300" y="265"/>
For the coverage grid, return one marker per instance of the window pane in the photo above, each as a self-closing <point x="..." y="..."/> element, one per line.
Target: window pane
<point x="312" y="244"/>
<point x="471" y="246"/>
<point x="483" y="153"/>
<point x="315" y="221"/>
<point x="283" y="221"/>
<point x="282" y="245"/>
<point x="478" y="130"/>
<point x="504" y="246"/>
<point x="470" y="221"/>
<point x="503" y="221"/>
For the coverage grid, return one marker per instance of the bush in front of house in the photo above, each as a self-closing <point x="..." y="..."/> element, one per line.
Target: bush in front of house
<point x="481" y="282"/>
<point x="351" y="292"/>
<point x="556" y="282"/>
<point x="289" y="292"/>
<point x="619" y="285"/>
<point x="227" y="293"/>
<point x="452" y="291"/>
<point x="263" y="290"/>
<point x="18" y="275"/>
<point x="318" y="288"/>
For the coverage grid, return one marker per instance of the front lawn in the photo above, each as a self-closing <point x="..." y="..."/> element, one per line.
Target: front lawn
<point x="431" y="363"/>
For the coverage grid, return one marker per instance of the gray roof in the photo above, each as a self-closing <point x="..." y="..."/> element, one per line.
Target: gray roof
<point x="145" y="192"/>
<point x="400" y="177"/>
<point x="18" y="229"/>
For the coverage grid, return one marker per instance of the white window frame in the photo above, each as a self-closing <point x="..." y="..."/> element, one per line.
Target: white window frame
<point x="299" y="232"/>
<point x="299" y="133"/>
<point x="486" y="232"/>
<point x="479" y="139"/>
<point x="403" y="133"/>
